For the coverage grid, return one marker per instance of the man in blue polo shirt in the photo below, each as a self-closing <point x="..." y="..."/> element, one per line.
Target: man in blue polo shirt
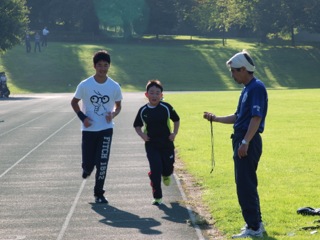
<point x="248" y="123"/>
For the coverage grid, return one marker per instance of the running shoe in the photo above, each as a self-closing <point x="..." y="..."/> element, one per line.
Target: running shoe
<point x="249" y="233"/>
<point x="166" y="180"/>
<point x="157" y="201"/>
<point x="85" y="174"/>
<point x="101" y="199"/>
<point x="261" y="226"/>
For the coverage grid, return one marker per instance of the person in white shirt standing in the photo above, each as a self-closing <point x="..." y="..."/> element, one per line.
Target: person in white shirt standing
<point x="101" y="101"/>
<point x="45" y="33"/>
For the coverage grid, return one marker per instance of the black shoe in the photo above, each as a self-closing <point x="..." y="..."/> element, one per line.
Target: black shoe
<point x="101" y="199"/>
<point x="85" y="174"/>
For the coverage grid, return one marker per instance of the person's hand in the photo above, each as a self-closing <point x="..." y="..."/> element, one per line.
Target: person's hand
<point x="145" y="137"/>
<point x="243" y="150"/>
<point x="109" y="117"/>
<point x="87" y="122"/>
<point x="209" y="116"/>
<point x="172" y="136"/>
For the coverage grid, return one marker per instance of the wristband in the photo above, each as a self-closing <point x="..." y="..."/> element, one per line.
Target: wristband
<point x="81" y="116"/>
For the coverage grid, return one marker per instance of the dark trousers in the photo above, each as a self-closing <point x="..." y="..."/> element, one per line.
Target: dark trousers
<point x="161" y="159"/>
<point x="28" y="47"/>
<point x="95" y="153"/>
<point x="44" y="41"/>
<point x="37" y="45"/>
<point x="246" y="178"/>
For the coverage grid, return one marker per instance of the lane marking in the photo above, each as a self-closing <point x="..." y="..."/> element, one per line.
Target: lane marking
<point x="35" y="148"/>
<point x="191" y="215"/>
<point x="4" y="133"/>
<point x="69" y="216"/>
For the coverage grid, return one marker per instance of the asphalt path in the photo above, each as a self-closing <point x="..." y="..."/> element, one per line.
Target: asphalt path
<point x="42" y="194"/>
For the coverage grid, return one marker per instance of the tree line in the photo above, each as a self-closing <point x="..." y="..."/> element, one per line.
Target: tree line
<point x="135" y="18"/>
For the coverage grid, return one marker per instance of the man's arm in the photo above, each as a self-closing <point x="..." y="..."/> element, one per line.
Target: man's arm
<point x="252" y="129"/>
<point x="222" y="119"/>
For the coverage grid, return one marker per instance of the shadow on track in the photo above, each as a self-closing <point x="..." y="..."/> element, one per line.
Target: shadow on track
<point x="115" y="217"/>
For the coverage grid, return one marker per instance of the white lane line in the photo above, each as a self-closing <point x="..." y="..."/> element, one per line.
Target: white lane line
<point x="69" y="216"/>
<point x="4" y="133"/>
<point x="35" y="148"/>
<point x="191" y="215"/>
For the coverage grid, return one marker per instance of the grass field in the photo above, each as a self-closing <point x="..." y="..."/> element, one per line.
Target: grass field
<point x="289" y="168"/>
<point x="181" y="65"/>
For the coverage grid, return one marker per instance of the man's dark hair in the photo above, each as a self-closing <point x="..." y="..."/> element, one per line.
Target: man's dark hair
<point x="155" y="83"/>
<point x="101" y="55"/>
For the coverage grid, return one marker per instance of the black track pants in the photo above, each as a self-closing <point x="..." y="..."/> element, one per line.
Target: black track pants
<point x="246" y="178"/>
<point x="95" y="153"/>
<point x="161" y="160"/>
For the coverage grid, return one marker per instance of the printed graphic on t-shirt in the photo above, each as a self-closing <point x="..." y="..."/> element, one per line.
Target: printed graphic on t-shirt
<point x="99" y="102"/>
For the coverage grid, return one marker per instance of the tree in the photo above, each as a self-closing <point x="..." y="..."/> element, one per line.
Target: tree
<point x="221" y="15"/>
<point x="162" y="17"/>
<point x="265" y="17"/>
<point x="13" y="23"/>
<point x="75" y="15"/>
<point x="201" y="14"/>
<point x="39" y="14"/>
<point x="185" y="23"/>
<point x="120" y="13"/>
<point x="292" y="12"/>
<point x="312" y="10"/>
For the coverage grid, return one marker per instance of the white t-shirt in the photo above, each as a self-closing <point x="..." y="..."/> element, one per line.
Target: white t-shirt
<point x="45" y="32"/>
<point x="97" y="100"/>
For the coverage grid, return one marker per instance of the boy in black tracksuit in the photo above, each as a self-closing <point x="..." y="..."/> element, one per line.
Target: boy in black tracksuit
<point x="155" y="117"/>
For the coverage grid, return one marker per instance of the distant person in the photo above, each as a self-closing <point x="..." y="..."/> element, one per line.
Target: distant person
<point x="158" y="136"/>
<point x="248" y="123"/>
<point x="28" y="43"/>
<point x="101" y="103"/>
<point x="37" y="42"/>
<point x="45" y="33"/>
<point x="4" y="90"/>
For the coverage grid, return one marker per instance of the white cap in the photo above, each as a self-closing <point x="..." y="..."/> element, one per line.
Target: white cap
<point x="239" y="60"/>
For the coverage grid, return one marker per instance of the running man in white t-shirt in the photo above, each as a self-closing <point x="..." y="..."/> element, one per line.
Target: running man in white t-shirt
<point x="101" y="102"/>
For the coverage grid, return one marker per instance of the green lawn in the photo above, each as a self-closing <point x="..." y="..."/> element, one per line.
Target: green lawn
<point x="180" y="65"/>
<point x="289" y="168"/>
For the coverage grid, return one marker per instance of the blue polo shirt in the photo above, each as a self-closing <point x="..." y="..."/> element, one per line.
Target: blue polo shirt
<point x="253" y="102"/>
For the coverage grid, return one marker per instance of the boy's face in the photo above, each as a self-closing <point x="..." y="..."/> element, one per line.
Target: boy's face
<point x="154" y="95"/>
<point x="102" y="68"/>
